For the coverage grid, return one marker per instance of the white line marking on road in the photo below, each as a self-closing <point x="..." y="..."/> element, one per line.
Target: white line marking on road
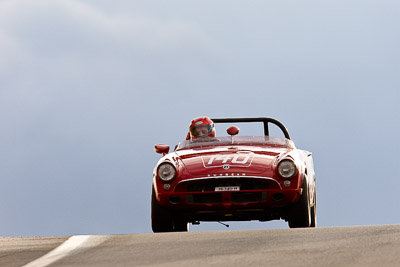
<point x="73" y="243"/>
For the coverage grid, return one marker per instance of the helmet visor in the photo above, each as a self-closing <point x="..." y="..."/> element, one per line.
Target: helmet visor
<point x="201" y="130"/>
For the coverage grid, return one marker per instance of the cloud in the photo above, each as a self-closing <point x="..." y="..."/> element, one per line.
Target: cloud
<point x="74" y="59"/>
<point x="70" y="28"/>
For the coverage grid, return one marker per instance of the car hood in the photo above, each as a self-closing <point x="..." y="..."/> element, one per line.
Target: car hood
<point x="224" y="161"/>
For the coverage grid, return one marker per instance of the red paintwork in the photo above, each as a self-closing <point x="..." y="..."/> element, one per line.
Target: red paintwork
<point x="247" y="162"/>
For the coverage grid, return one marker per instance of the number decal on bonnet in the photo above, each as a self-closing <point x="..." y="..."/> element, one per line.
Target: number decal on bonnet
<point x="226" y="161"/>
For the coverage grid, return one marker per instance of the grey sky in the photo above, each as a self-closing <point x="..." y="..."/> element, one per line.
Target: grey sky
<point x="88" y="87"/>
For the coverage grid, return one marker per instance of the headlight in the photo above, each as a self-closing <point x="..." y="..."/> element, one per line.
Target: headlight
<point x="286" y="168"/>
<point x="166" y="172"/>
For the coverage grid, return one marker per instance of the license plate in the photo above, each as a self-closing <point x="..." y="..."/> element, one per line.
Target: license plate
<point x="227" y="188"/>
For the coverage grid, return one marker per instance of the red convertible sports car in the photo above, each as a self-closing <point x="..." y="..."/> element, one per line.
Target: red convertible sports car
<point x="233" y="178"/>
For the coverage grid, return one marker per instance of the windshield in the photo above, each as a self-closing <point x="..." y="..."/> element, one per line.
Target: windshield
<point x="236" y="140"/>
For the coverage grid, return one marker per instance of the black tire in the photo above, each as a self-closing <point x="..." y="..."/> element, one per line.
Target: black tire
<point x="163" y="220"/>
<point x="302" y="214"/>
<point x="180" y="225"/>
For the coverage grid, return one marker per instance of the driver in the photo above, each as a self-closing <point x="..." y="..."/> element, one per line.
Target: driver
<point x="201" y="127"/>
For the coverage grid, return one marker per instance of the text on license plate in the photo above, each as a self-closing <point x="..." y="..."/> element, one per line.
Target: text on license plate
<point x="227" y="188"/>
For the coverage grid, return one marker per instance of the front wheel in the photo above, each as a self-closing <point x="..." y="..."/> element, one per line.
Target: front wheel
<point x="163" y="220"/>
<point x="301" y="213"/>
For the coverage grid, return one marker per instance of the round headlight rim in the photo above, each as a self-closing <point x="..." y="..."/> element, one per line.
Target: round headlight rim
<point x="294" y="165"/>
<point x="173" y="168"/>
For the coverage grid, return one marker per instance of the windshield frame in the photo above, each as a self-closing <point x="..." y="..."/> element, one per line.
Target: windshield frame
<point x="264" y="141"/>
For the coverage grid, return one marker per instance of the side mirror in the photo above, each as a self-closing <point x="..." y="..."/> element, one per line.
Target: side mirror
<point x="162" y="149"/>
<point x="233" y="130"/>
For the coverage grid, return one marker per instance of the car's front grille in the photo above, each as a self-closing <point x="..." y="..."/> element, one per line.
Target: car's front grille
<point x="210" y="185"/>
<point x="204" y="191"/>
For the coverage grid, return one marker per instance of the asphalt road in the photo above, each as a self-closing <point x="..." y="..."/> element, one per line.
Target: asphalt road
<point x="333" y="246"/>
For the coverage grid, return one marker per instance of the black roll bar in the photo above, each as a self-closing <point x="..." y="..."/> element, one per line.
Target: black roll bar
<point x="260" y="119"/>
